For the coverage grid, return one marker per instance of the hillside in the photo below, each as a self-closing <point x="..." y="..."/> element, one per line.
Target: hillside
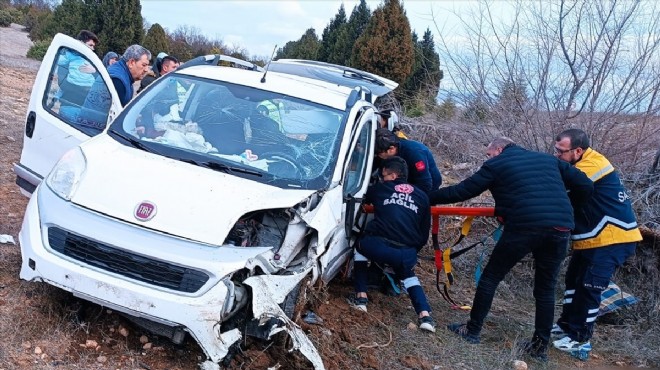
<point x="45" y="328"/>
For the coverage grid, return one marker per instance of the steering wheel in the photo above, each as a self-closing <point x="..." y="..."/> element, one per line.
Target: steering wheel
<point x="287" y="159"/>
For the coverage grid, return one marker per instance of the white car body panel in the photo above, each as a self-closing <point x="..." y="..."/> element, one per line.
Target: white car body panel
<point x="192" y="202"/>
<point x="196" y="209"/>
<point x="52" y="137"/>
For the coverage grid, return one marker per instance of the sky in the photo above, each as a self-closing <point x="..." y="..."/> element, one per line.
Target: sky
<point x="260" y="25"/>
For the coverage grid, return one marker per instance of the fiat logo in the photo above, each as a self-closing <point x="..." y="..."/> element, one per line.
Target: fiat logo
<point x="145" y="211"/>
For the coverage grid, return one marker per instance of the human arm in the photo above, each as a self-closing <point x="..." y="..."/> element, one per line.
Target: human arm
<point x="419" y="170"/>
<point x="466" y="189"/>
<point x="579" y="186"/>
<point x="425" y="224"/>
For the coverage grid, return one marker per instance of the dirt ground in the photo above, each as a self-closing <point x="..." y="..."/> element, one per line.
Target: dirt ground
<point x="42" y="327"/>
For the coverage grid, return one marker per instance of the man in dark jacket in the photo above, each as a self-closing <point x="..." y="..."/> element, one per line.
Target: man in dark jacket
<point x="422" y="170"/>
<point x="530" y="192"/>
<point x="400" y="227"/>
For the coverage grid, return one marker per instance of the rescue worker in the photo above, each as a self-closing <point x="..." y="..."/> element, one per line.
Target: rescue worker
<point x="422" y="170"/>
<point x="399" y="229"/>
<point x="390" y="120"/>
<point x="274" y="109"/>
<point x="605" y="235"/>
<point x="530" y="195"/>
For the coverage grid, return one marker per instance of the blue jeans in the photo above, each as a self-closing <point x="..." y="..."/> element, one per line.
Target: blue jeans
<point x="402" y="259"/>
<point x="549" y="248"/>
<point x="588" y="274"/>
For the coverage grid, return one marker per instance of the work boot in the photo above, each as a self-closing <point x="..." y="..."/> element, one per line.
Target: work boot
<point x="535" y="348"/>
<point x="462" y="331"/>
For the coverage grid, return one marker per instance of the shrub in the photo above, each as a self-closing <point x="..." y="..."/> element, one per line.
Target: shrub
<point x="5" y="18"/>
<point x="17" y="16"/>
<point x="38" y="50"/>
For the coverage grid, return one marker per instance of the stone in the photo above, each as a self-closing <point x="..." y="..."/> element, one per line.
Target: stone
<point x="123" y="331"/>
<point x="519" y="365"/>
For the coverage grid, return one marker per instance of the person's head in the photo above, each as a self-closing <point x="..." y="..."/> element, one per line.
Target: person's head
<point x="388" y="119"/>
<point x="570" y="145"/>
<point x="496" y="146"/>
<point x="387" y="144"/>
<point x="168" y="64"/>
<point x="88" y="38"/>
<point x="110" y="58"/>
<point x="137" y="60"/>
<point x="394" y="168"/>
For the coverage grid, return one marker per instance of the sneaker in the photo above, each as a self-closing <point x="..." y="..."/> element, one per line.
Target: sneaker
<point x="557" y="332"/>
<point x="580" y="350"/>
<point x="462" y="330"/>
<point x="427" y="323"/>
<point x="535" y="350"/>
<point x="359" y="303"/>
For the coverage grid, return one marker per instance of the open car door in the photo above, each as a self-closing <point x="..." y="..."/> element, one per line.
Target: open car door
<point x="355" y="181"/>
<point x="60" y="114"/>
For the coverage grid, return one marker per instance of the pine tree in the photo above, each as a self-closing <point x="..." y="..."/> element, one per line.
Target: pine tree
<point x="424" y="81"/>
<point x="156" y="40"/>
<point x="307" y="47"/>
<point x="350" y="32"/>
<point x="386" y="46"/>
<point x="118" y="24"/>
<point x="328" y="48"/>
<point x="69" y="18"/>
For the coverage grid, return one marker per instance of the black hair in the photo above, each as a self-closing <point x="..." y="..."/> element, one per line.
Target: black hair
<point x="85" y="35"/>
<point x="578" y="138"/>
<point x="396" y="165"/>
<point x="159" y="63"/>
<point x="385" y="139"/>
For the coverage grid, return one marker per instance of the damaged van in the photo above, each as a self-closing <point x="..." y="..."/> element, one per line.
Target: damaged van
<point x="207" y="202"/>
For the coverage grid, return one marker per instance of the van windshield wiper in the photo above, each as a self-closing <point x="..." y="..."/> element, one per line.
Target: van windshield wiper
<point x="133" y="141"/>
<point x="221" y="167"/>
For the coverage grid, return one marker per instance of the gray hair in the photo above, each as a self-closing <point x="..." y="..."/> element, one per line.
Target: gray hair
<point x="135" y="52"/>
<point x="500" y="142"/>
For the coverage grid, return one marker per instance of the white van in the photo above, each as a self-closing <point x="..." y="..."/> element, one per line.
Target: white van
<point x="194" y="204"/>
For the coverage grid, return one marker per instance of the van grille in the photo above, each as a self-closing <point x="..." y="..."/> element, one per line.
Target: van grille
<point x="125" y="263"/>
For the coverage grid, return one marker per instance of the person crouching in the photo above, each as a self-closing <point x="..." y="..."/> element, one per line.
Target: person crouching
<point x="399" y="229"/>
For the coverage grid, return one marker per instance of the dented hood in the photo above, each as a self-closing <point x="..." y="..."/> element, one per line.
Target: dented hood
<point x="190" y="201"/>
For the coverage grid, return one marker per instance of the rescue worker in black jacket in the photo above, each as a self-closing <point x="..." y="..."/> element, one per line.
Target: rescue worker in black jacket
<point x="400" y="228"/>
<point x="422" y="169"/>
<point x="530" y="192"/>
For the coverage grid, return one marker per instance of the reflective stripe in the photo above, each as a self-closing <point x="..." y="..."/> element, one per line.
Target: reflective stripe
<point x="358" y="257"/>
<point x="593" y="311"/>
<point x="568" y="300"/>
<point x="591" y="319"/>
<point x="603" y="222"/>
<point x="411" y="282"/>
<point x="569" y="292"/>
<point x="601" y="173"/>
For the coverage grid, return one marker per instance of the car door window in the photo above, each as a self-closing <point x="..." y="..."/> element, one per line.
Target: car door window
<point x="76" y="94"/>
<point x="357" y="164"/>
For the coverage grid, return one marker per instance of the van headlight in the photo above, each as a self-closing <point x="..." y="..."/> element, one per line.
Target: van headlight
<point x="64" y="178"/>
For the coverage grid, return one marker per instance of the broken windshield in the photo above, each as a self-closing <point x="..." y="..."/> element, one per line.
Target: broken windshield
<point x="293" y="142"/>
